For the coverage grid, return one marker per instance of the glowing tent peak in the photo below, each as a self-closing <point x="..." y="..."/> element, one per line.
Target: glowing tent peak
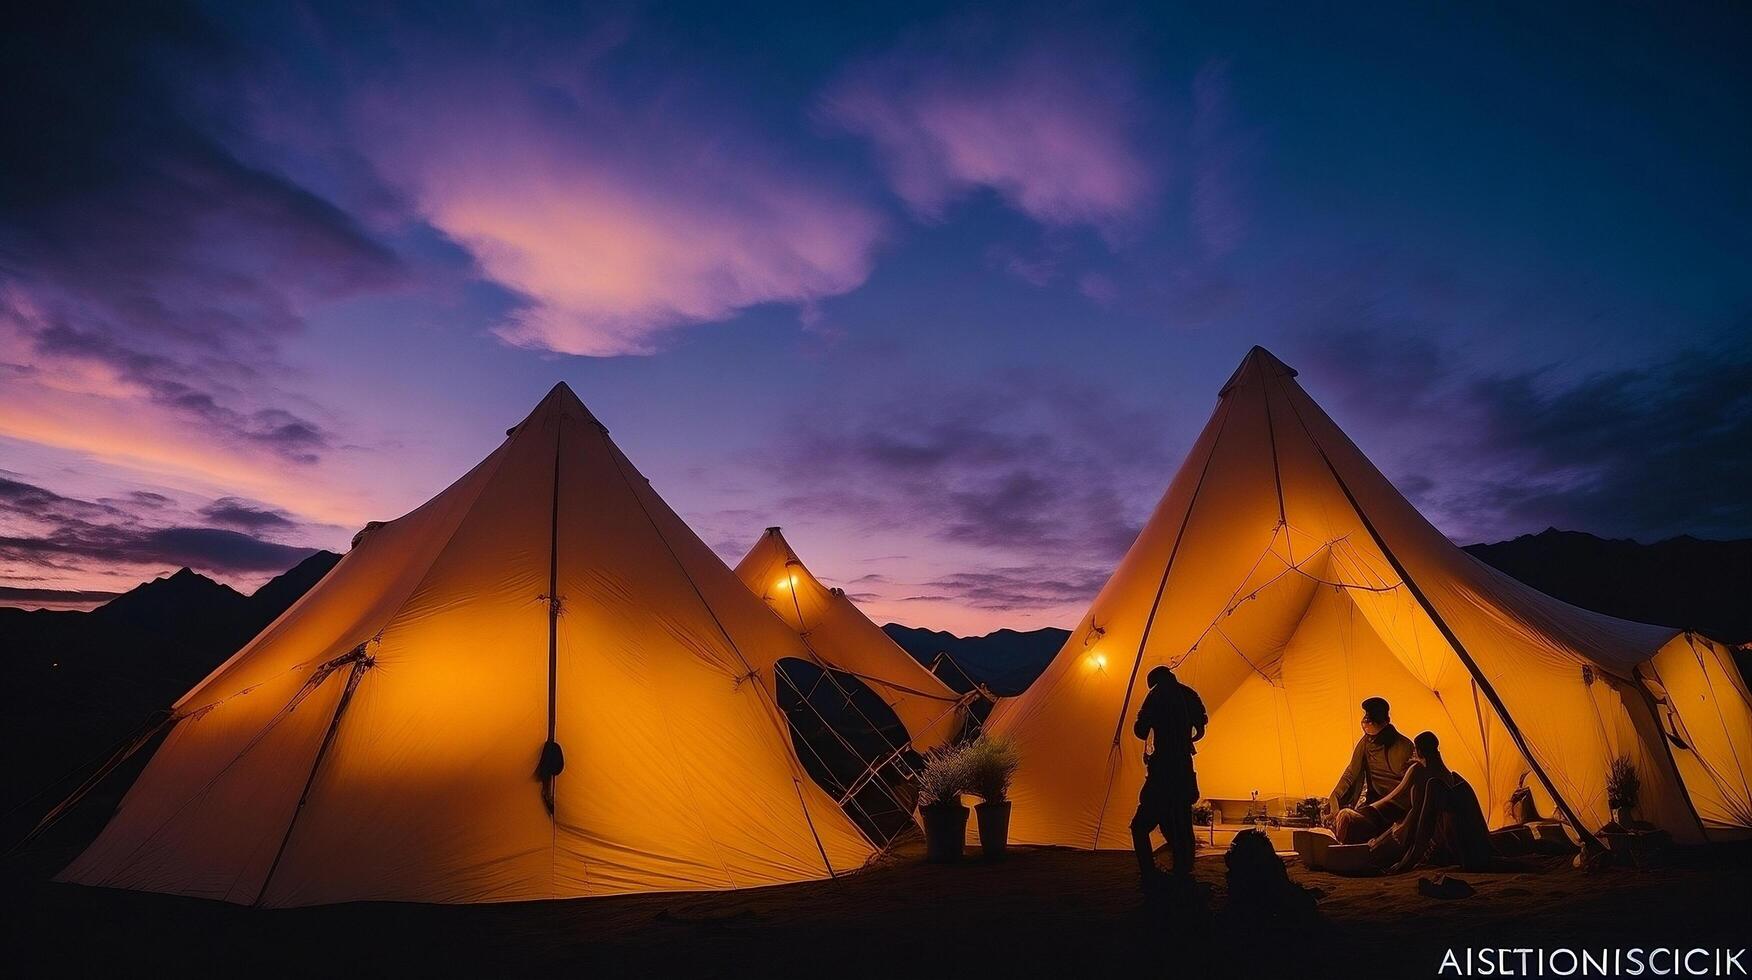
<point x="1286" y="579"/>
<point x="840" y="636"/>
<point x="387" y="738"/>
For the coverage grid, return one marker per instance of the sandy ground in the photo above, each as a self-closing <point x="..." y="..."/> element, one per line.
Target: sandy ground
<point x="1043" y="912"/>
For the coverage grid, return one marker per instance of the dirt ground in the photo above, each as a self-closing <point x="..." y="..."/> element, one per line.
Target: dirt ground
<point x="1040" y="912"/>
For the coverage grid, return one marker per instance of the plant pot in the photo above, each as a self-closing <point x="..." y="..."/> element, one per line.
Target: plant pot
<point x="994" y="828"/>
<point x="1621" y="816"/>
<point x="945" y="832"/>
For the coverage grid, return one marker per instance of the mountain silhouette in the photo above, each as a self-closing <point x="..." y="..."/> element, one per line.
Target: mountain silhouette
<point x="1006" y="661"/>
<point x="1685" y="582"/>
<point x="178" y="602"/>
<point x="268" y="602"/>
<point x="90" y="678"/>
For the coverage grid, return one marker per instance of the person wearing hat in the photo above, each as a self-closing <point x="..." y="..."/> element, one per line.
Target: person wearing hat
<point x="1363" y="797"/>
<point x="1175" y="715"/>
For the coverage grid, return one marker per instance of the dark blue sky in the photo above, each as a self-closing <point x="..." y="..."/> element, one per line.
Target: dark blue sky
<point x="945" y="292"/>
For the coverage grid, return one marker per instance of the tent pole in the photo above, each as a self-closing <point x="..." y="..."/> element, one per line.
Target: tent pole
<point x="361" y="662"/>
<point x="797" y="784"/>
<point x="1447" y="633"/>
<point x="551" y="760"/>
<point x="1150" y="621"/>
<point x="1277" y="472"/>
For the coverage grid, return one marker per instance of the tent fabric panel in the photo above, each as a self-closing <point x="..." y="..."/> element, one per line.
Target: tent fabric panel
<point x="1700" y="684"/>
<point x="677" y="778"/>
<point x="1303" y="730"/>
<point x="428" y="793"/>
<point x="208" y="814"/>
<point x="678" y="773"/>
<point x="356" y="598"/>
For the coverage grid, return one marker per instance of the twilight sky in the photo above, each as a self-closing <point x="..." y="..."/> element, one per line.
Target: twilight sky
<point x="945" y="293"/>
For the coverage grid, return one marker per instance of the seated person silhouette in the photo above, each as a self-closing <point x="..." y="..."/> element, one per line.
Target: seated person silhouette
<point x="1363" y="799"/>
<point x="1443" y="823"/>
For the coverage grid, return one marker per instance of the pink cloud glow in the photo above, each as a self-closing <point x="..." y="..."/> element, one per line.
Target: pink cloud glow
<point x="1048" y="130"/>
<point x="618" y="226"/>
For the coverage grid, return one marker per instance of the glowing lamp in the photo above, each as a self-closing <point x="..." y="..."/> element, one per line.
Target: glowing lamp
<point x="1096" y="661"/>
<point x="786" y="582"/>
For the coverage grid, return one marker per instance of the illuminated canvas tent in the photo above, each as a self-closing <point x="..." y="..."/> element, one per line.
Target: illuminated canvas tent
<point x="1285" y="579"/>
<point x="388" y="737"/>
<point x="841" y="637"/>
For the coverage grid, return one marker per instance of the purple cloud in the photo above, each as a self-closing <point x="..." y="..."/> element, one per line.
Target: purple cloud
<point x="1048" y="127"/>
<point x="1646" y="452"/>
<point x="1037" y="486"/>
<point x="145" y="263"/>
<point x="616" y="219"/>
<point x="242" y="515"/>
<point x="45" y="535"/>
<point x="1010" y="588"/>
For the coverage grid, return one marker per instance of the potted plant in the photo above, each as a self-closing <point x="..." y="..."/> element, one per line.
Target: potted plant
<point x="1622" y="789"/>
<point x="941" y="783"/>
<point x="1202" y="814"/>
<point x="991" y="763"/>
<point x="1311" y="810"/>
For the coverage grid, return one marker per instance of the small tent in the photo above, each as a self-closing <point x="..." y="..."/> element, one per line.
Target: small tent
<point x="842" y="638"/>
<point x="539" y="684"/>
<point x="1284" y="578"/>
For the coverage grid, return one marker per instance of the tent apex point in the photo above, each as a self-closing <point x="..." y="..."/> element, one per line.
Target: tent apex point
<point x="1259" y="362"/>
<point x="563" y="392"/>
<point x="563" y="401"/>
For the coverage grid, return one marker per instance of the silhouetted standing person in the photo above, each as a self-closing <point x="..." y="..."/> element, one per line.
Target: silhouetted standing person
<point x="1175" y="714"/>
